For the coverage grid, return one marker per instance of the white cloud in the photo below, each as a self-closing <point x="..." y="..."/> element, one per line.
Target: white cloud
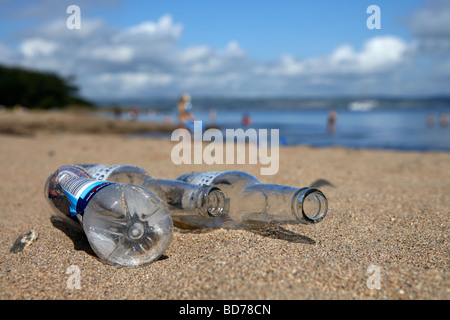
<point x="378" y="54"/>
<point x="234" y="50"/>
<point x="134" y="81"/>
<point x="164" y="27"/>
<point x="117" y="54"/>
<point x="206" y="60"/>
<point x="195" y="54"/>
<point x="146" y="58"/>
<point x="38" y="47"/>
<point x="343" y="54"/>
<point x="287" y="65"/>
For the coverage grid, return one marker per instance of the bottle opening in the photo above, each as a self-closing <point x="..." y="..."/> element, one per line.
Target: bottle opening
<point x="311" y="205"/>
<point x="214" y="202"/>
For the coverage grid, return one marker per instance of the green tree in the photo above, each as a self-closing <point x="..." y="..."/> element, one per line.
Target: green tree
<point x="37" y="90"/>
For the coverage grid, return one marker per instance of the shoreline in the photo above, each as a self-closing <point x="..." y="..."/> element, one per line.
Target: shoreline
<point x="33" y="122"/>
<point x="388" y="209"/>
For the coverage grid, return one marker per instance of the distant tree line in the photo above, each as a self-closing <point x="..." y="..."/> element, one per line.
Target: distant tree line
<point x="37" y="90"/>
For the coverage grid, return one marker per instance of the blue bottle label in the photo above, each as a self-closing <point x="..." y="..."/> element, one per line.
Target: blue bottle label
<point x="79" y="191"/>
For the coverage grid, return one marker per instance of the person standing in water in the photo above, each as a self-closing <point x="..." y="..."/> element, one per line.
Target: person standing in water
<point x="246" y="120"/>
<point x="332" y="119"/>
<point x="443" y="120"/>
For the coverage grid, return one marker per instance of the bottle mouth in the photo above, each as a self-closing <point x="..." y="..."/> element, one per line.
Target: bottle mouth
<point x="310" y="205"/>
<point x="212" y="202"/>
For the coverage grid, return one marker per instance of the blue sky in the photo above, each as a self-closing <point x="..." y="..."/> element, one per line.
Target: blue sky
<point x="234" y="48"/>
<point x="267" y="29"/>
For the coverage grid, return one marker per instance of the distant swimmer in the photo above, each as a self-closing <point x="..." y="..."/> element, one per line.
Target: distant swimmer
<point x="332" y="119"/>
<point x="212" y="116"/>
<point x="246" y="120"/>
<point x="443" y="119"/>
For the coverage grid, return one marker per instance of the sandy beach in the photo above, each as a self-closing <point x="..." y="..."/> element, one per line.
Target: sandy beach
<point x="388" y="211"/>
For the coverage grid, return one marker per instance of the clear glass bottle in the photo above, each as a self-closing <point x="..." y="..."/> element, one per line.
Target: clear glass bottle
<point x="186" y="201"/>
<point x="252" y="202"/>
<point x="125" y="224"/>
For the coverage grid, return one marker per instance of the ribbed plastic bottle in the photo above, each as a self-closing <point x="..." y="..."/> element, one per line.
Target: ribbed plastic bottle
<point x="125" y="224"/>
<point x="253" y="203"/>
<point x="186" y="201"/>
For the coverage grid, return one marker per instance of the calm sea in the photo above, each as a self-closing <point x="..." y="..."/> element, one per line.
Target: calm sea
<point x="405" y="129"/>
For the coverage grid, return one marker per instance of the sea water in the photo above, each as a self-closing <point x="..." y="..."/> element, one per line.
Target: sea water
<point x="399" y="129"/>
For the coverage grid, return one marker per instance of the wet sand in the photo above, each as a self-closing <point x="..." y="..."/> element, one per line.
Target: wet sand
<point x="389" y="215"/>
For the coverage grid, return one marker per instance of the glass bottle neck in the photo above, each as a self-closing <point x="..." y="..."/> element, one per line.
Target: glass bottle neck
<point x="277" y="203"/>
<point x="204" y="201"/>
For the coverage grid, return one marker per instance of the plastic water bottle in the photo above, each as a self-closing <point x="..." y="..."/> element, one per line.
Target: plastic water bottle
<point x="253" y="203"/>
<point x="125" y="224"/>
<point x="186" y="201"/>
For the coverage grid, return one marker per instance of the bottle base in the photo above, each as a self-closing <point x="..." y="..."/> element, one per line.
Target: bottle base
<point x="134" y="231"/>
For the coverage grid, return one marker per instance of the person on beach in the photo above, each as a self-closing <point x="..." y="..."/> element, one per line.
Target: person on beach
<point x="185" y="115"/>
<point x="133" y="114"/>
<point x="117" y="112"/>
